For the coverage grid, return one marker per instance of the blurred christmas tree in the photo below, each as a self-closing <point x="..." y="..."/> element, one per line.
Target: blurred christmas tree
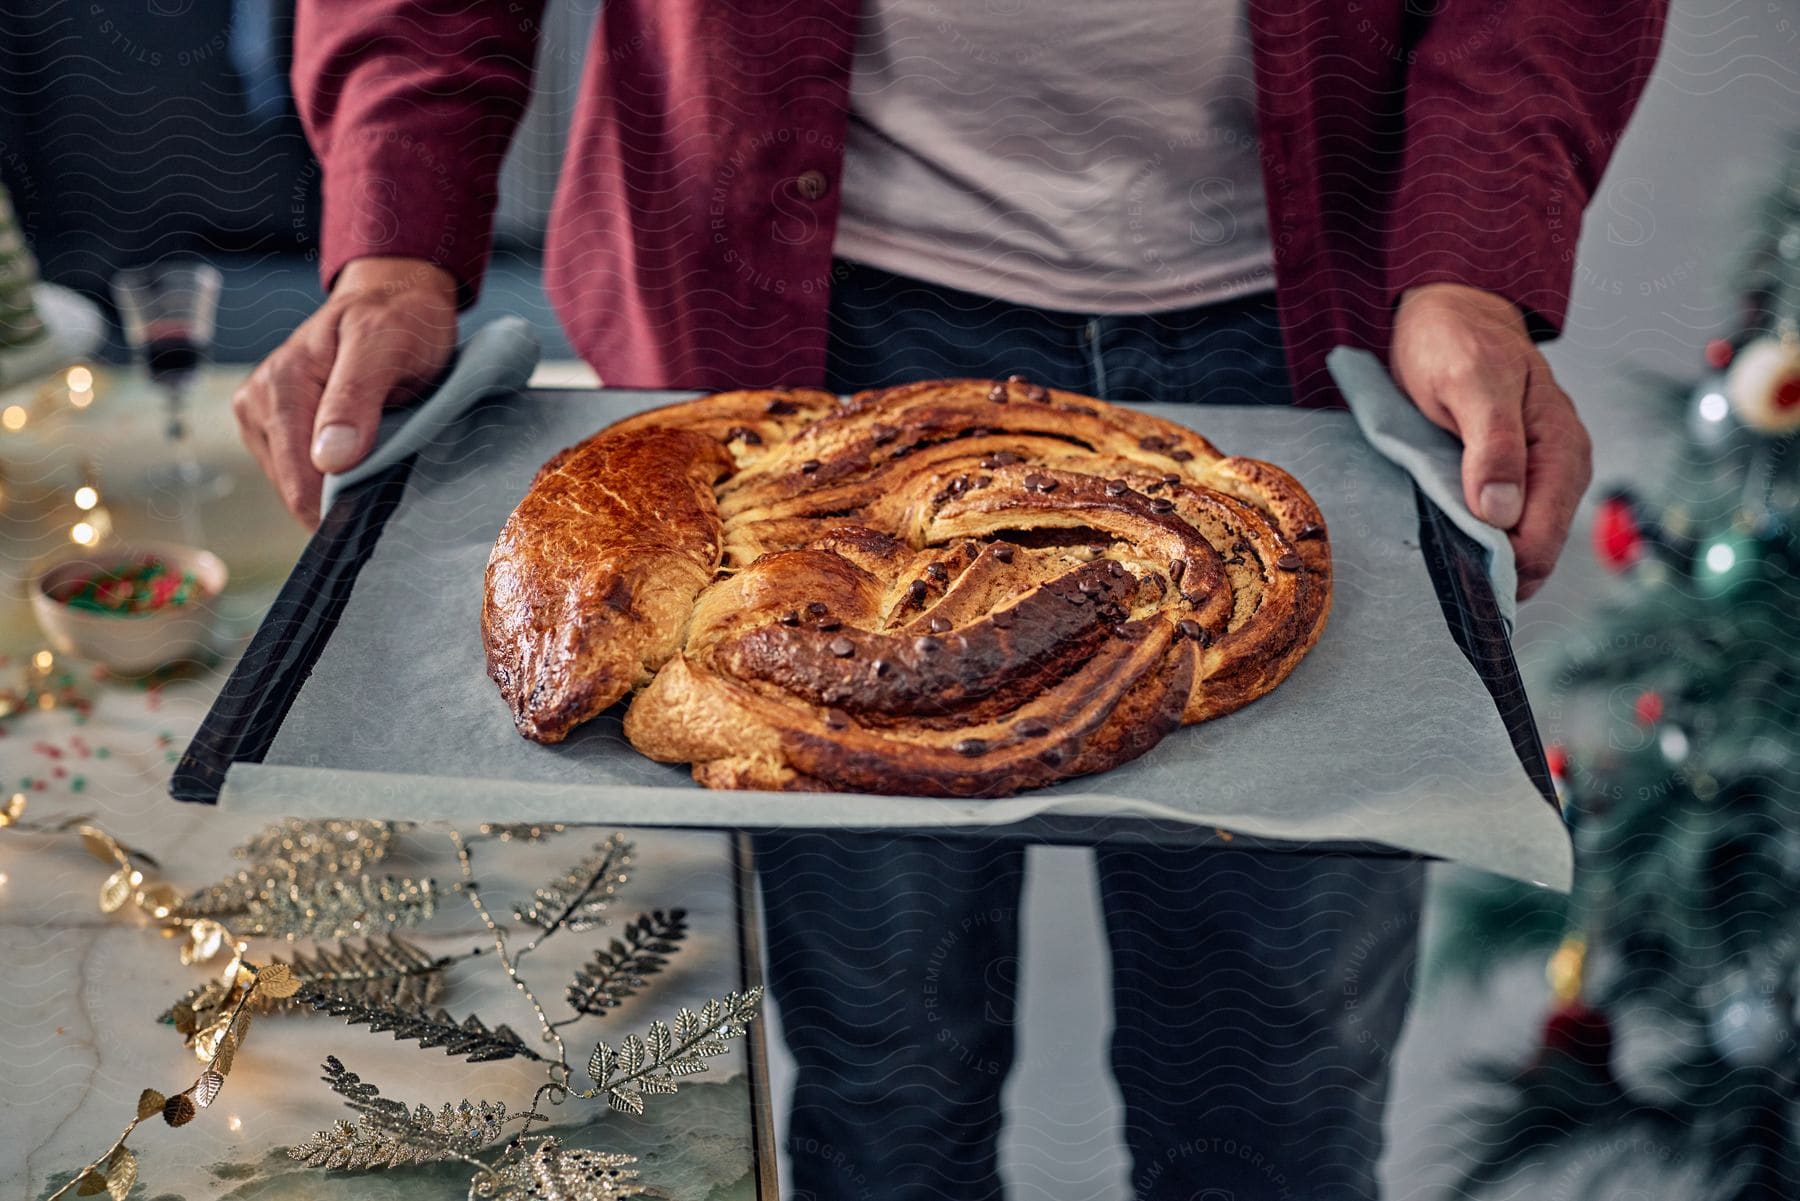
<point x="1674" y="1032"/>
<point x="20" y="324"/>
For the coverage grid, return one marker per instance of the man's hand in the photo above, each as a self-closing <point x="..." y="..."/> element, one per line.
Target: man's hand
<point x="312" y="406"/>
<point x="1465" y="358"/>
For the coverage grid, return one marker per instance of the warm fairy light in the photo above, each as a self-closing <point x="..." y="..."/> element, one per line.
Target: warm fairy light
<point x="86" y="498"/>
<point x="13" y="810"/>
<point x="3" y="879"/>
<point x="82" y="533"/>
<point x="13" y="417"/>
<point x="1714" y="406"/>
<point x="43" y="660"/>
<point x="234" y="1123"/>
<point x="80" y="379"/>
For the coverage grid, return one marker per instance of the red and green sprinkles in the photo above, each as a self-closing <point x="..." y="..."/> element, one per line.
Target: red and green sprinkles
<point x="132" y="589"/>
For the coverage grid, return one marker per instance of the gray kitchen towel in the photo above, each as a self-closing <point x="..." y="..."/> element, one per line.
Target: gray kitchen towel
<point x="1395" y="427"/>
<point x="498" y="358"/>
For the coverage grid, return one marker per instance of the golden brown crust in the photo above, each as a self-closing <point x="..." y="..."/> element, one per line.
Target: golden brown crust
<point x="954" y="588"/>
<point x="591" y="581"/>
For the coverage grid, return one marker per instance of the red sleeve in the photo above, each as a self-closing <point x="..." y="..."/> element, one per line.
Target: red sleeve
<point x="1512" y="109"/>
<point x="409" y="105"/>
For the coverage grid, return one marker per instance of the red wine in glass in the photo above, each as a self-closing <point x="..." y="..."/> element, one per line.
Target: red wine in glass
<point x="168" y="311"/>
<point x="172" y="357"/>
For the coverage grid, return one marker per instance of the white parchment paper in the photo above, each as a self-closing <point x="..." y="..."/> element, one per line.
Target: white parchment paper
<point x="1383" y="735"/>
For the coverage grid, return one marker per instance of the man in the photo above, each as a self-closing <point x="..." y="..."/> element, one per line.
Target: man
<point x="1100" y="197"/>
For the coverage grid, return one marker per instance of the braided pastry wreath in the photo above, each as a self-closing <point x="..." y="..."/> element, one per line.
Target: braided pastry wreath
<point x="954" y="588"/>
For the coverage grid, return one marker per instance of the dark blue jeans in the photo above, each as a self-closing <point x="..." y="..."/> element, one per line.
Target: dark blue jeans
<point x="1257" y="997"/>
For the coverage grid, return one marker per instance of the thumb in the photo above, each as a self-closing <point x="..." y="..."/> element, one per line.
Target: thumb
<point x="349" y="412"/>
<point x="1490" y="419"/>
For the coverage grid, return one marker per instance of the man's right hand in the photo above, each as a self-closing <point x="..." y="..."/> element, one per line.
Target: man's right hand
<point x="312" y="407"/>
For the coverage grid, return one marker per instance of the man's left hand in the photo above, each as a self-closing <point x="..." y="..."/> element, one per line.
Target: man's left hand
<point x="1467" y="361"/>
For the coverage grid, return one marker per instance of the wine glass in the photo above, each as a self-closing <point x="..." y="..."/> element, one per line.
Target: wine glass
<point x="168" y="310"/>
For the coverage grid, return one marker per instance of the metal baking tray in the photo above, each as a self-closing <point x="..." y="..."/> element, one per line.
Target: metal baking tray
<point x="250" y="711"/>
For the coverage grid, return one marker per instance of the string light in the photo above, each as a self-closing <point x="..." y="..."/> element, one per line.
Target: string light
<point x="1714" y="406"/>
<point x="92" y="529"/>
<point x="1720" y="558"/>
<point x="43" y="660"/>
<point x="13" y="417"/>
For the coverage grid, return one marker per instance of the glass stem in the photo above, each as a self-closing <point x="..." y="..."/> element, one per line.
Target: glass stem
<point x="188" y="472"/>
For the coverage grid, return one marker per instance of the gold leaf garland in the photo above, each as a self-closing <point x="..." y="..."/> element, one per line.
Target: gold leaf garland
<point x="310" y="879"/>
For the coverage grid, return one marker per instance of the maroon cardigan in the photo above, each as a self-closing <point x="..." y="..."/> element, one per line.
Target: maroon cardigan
<point x="1404" y="142"/>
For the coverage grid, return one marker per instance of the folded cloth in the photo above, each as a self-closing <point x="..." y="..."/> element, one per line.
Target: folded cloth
<point x="499" y="358"/>
<point x="1394" y="426"/>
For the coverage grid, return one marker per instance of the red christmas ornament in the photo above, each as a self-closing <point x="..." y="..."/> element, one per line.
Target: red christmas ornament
<point x="1579" y="1032"/>
<point x="1618" y="542"/>
<point x="1787" y="393"/>
<point x="1558" y="758"/>
<point x="1718" y="354"/>
<point x="1648" y="708"/>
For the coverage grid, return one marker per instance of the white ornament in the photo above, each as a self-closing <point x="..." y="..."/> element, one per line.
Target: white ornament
<point x="1764" y="385"/>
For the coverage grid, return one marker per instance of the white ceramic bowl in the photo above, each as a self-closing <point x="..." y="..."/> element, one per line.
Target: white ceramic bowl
<point x="131" y="644"/>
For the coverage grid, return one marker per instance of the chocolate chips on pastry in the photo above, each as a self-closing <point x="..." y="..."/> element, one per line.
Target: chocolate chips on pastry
<point x="954" y="588"/>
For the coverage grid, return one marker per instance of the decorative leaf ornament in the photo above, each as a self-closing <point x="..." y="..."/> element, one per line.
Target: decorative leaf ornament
<point x="620" y="969"/>
<point x="310" y="879"/>
<point x="578" y="899"/>
<point x="543" y="1170"/>
<point x="334" y="907"/>
<point x="389" y="1134"/>
<point x="384" y="971"/>
<point x="325" y="846"/>
<point x="469" y="1038"/>
<point x="653" y="1064"/>
<point x="521" y="831"/>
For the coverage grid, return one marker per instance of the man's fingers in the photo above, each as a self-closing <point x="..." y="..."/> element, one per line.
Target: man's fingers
<point x="1464" y="358"/>
<point x="1561" y="466"/>
<point x="247" y="406"/>
<point x="1488" y="408"/>
<point x="363" y="375"/>
<point x="296" y="384"/>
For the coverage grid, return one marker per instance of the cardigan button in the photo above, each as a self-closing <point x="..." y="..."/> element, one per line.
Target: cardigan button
<point x="812" y="184"/>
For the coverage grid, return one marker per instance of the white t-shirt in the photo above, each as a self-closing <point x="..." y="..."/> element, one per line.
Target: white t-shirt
<point x="1077" y="156"/>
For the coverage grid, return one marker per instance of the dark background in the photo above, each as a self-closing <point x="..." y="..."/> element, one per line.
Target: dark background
<point x="132" y="130"/>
